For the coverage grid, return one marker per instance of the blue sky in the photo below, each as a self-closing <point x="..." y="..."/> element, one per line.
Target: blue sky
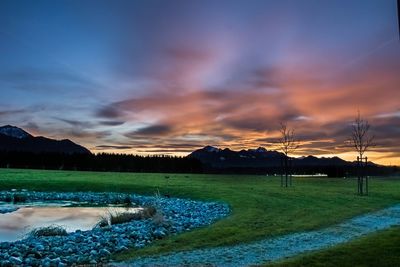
<point x="171" y="76"/>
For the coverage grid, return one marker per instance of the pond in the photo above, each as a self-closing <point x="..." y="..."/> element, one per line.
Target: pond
<point x="23" y="218"/>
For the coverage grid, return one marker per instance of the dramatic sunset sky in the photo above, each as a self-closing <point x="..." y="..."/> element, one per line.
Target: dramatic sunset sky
<point x="168" y="77"/>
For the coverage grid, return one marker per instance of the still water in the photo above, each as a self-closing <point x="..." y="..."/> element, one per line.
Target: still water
<point x="15" y="225"/>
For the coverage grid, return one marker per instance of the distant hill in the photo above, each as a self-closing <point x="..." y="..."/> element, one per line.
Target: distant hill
<point x="16" y="139"/>
<point x="257" y="158"/>
<point x="263" y="161"/>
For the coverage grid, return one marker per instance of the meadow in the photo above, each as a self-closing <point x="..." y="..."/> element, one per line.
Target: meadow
<point x="260" y="208"/>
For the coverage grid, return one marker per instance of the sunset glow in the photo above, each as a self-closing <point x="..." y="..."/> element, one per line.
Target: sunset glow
<point x="168" y="77"/>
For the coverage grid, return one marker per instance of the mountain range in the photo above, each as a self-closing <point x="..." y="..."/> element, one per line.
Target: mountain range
<point x="217" y="158"/>
<point x="16" y="139"/>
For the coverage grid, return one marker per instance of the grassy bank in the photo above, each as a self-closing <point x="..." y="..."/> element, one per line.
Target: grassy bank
<point x="379" y="249"/>
<point x="260" y="207"/>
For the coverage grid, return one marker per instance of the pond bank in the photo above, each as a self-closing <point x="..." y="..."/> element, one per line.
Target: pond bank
<point x="95" y="246"/>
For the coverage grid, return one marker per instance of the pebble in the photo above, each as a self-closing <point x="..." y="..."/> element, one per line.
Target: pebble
<point x="6" y="209"/>
<point x="15" y="260"/>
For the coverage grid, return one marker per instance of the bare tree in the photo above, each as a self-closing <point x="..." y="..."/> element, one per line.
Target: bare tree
<point x="288" y="144"/>
<point x="361" y="140"/>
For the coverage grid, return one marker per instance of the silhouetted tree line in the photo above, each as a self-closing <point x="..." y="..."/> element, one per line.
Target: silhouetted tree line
<point x="165" y="164"/>
<point x="100" y="162"/>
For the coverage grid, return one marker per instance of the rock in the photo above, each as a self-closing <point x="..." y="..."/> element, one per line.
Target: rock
<point x="104" y="252"/>
<point x="5" y="263"/>
<point x="159" y="233"/>
<point x="36" y="254"/>
<point x="46" y="261"/>
<point x="55" y="261"/>
<point x="28" y="262"/>
<point x="4" y="210"/>
<point x="79" y="238"/>
<point x="39" y="247"/>
<point x="121" y="248"/>
<point x="15" y="260"/>
<point x="4" y="245"/>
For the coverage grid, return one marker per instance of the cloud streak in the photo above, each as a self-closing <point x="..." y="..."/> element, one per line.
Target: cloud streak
<point x="155" y="77"/>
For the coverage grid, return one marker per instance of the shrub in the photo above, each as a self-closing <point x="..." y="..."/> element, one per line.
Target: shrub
<point x="158" y="219"/>
<point x="122" y="200"/>
<point x="118" y="217"/>
<point x="8" y="198"/>
<point x="52" y="230"/>
<point x="103" y="222"/>
<point x="148" y="212"/>
<point x="19" y="198"/>
<point x="127" y="201"/>
<point x="123" y="217"/>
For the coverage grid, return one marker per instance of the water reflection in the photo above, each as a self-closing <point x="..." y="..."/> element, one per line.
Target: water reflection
<point x="17" y="224"/>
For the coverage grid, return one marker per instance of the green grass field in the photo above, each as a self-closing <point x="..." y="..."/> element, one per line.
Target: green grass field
<point x="260" y="207"/>
<point x="379" y="249"/>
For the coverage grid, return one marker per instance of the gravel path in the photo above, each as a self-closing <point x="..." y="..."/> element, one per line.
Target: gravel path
<point x="277" y="248"/>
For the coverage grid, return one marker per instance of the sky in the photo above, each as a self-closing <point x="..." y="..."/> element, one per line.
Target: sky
<point x="171" y="76"/>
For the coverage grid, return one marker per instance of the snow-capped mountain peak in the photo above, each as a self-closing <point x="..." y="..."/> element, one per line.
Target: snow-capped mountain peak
<point x="261" y="150"/>
<point x="13" y="131"/>
<point x="211" y="149"/>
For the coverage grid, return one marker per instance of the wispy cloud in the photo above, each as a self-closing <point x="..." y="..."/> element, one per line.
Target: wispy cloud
<point x="159" y="129"/>
<point x="144" y="78"/>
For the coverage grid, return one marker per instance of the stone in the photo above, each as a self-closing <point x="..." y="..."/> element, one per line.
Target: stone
<point x="15" y="260"/>
<point x="159" y="233"/>
<point x="104" y="252"/>
<point x="4" y="210"/>
<point x="5" y="263"/>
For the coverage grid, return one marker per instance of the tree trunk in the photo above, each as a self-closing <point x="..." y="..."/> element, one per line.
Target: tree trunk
<point x="282" y="166"/>
<point x="358" y="176"/>
<point x="286" y="171"/>
<point x="290" y="172"/>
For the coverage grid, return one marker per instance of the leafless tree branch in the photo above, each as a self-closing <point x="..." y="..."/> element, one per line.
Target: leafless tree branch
<point x="288" y="143"/>
<point x="360" y="135"/>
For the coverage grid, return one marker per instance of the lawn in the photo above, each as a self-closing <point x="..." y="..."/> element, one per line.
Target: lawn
<point x="260" y="207"/>
<point x="379" y="249"/>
